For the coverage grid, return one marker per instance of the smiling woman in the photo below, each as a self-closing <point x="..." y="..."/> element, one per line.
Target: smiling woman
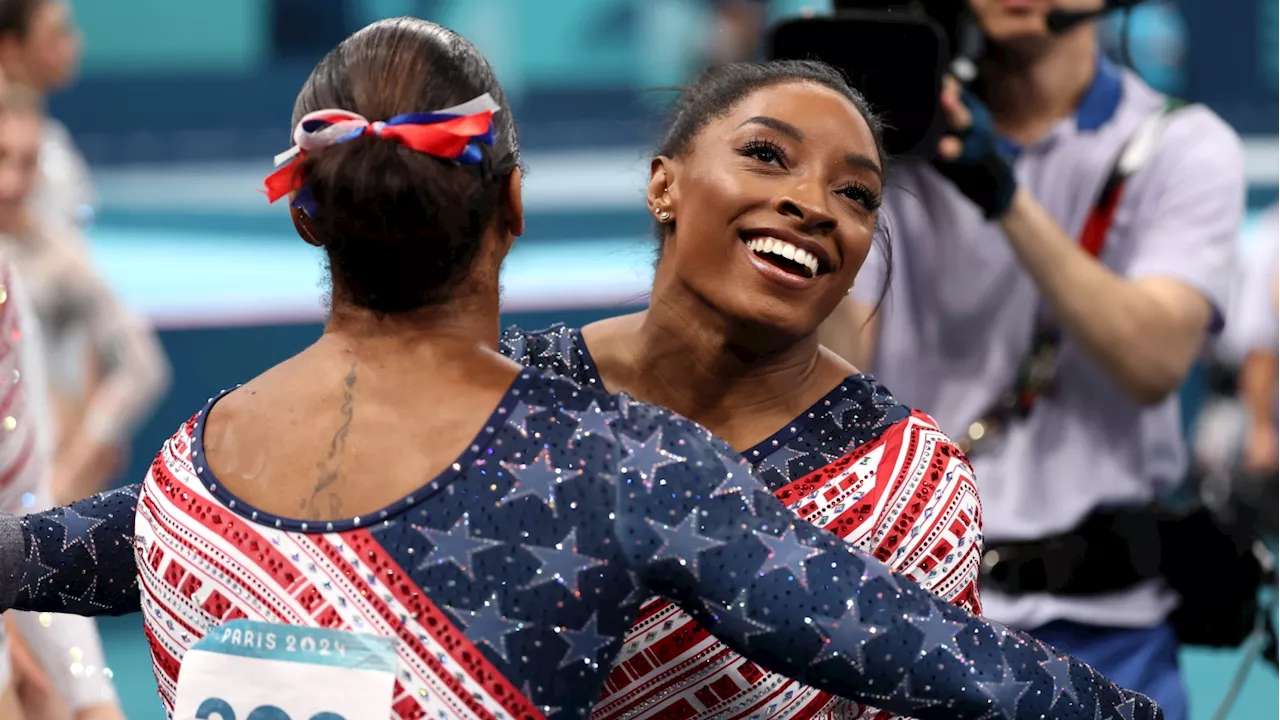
<point x="787" y="160"/>
<point x="766" y="188"/>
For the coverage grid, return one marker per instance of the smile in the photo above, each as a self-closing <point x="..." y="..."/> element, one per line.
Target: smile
<point x="785" y="256"/>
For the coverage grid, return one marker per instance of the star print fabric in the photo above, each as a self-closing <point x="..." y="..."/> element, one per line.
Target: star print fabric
<point x="509" y="579"/>
<point x="800" y="602"/>
<point x="870" y="470"/>
<point x="76" y="559"/>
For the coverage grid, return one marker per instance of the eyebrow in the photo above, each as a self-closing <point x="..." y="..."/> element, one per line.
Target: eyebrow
<point x="785" y="128"/>
<point x="856" y="160"/>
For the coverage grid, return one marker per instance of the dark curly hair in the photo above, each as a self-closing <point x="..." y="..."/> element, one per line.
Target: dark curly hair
<point x="401" y="228"/>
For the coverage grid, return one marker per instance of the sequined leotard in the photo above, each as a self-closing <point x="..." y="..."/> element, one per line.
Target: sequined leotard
<point x="65" y="646"/>
<point x="510" y="579"/>
<point x="859" y="464"/>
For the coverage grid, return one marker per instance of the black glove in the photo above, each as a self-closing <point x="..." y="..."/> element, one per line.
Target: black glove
<point x="980" y="172"/>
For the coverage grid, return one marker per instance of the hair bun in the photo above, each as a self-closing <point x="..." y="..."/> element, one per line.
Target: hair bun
<point x="402" y="227"/>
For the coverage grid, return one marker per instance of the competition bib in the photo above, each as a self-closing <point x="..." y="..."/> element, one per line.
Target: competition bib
<point x="250" y="670"/>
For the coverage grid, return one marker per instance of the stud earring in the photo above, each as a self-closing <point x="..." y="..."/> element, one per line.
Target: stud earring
<point x="663" y="216"/>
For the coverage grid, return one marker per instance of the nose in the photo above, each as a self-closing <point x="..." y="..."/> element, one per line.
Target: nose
<point x="807" y="202"/>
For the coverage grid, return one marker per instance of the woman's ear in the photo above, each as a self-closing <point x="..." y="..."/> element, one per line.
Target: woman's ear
<point x="659" y="196"/>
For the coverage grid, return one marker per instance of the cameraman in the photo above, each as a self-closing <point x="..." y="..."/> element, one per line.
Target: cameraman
<point x="988" y="262"/>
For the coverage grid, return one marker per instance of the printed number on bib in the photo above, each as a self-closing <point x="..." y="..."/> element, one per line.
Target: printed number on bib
<point x="250" y="670"/>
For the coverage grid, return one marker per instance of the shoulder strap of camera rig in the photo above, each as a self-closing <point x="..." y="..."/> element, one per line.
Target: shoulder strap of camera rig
<point x="1037" y="370"/>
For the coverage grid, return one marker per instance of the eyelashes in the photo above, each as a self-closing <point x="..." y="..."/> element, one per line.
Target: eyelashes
<point x="770" y="153"/>
<point x="863" y="195"/>
<point x="765" y="151"/>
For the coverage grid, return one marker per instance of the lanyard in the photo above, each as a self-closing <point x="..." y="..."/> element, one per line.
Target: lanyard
<point x="1038" y="369"/>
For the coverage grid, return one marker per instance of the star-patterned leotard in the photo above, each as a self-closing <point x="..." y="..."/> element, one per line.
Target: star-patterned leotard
<point x="868" y="469"/>
<point x="511" y="579"/>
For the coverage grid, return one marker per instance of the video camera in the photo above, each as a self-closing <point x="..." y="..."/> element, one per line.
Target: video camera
<point x="896" y="54"/>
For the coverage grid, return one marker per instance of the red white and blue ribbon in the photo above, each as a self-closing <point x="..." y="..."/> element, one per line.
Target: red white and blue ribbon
<point x="453" y="134"/>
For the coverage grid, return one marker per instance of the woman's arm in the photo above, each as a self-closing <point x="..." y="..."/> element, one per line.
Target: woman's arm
<point x="133" y="376"/>
<point x="798" y="601"/>
<point x="65" y="651"/>
<point x="76" y="559"/>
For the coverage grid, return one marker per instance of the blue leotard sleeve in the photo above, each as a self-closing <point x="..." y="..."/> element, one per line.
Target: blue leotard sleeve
<point x="785" y="594"/>
<point x="76" y="559"/>
<point x="799" y="601"/>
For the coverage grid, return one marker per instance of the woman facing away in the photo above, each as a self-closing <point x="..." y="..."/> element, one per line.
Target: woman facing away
<point x="106" y="367"/>
<point x="66" y="646"/>
<point x="510" y="578"/>
<point x="766" y="186"/>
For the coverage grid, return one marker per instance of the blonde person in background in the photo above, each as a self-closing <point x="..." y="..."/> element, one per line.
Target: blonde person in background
<point x="59" y="672"/>
<point x="106" y="368"/>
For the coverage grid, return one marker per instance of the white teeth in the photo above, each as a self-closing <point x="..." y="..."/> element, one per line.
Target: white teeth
<point x="774" y="246"/>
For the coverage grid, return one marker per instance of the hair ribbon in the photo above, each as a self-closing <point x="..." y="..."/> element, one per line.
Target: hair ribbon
<point x="454" y="133"/>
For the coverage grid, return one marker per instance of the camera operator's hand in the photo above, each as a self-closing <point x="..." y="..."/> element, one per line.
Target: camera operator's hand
<point x="969" y="156"/>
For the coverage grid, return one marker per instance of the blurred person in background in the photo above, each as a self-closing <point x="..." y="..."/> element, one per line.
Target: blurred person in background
<point x="1047" y="303"/>
<point x="40" y="50"/>
<point x="104" y="365"/>
<point x="106" y="368"/>
<point x="59" y="670"/>
<point x="1256" y="329"/>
